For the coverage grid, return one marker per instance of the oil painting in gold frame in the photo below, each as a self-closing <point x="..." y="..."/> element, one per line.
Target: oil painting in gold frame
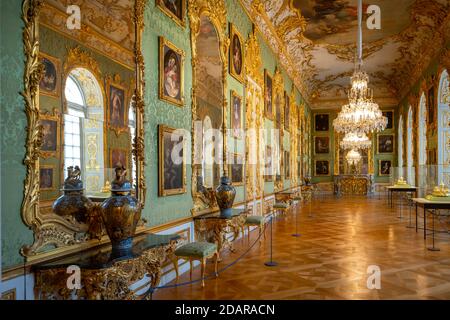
<point x="50" y="83"/>
<point x="176" y="10"/>
<point x="117" y="101"/>
<point x="236" y="54"/>
<point x="171" y="174"/>
<point x="171" y="72"/>
<point x="51" y="135"/>
<point x="237" y="169"/>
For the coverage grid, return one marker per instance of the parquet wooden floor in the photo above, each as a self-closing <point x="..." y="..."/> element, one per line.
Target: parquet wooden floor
<point x="330" y="259"/>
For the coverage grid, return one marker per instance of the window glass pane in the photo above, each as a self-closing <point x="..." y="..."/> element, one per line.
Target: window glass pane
<point x="68" y="140"/>
<point x="72" y="92"/>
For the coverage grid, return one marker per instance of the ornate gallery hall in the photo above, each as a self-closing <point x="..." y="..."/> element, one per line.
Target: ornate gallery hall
<point x="225" y="150"/>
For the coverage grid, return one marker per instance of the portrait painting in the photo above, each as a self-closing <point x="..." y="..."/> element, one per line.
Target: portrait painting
<point x="286" y="111"/>
<point x="322" y="168"/>
<point x="50" y="135"/>
<point x="46" y="178"/>
<point x="236" y="114"/>
<point x="322" y="122"/>
<point x="175" y="9"/>
<point x="431" y="105"/>
<point x="236" y="54"/>
<point x="118" y="158"/>
<point x="390" y="119"/>
<point x="385" y="143"/>
<point x="268" y="95"/>
<point x="384" y="167"/>
<point x="172" y="163"/>
<point x="321" y="145"/>
<point x="287" y="165"/>
<point x="117" y="108"/>
<point x="237" y="169"/>
<point x="171" y="73"/>
<point x="50" y="83"/>
<point x="268" y="172"/>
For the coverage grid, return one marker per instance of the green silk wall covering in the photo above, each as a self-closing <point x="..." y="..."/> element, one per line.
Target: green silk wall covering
<point x="158" y="210"/>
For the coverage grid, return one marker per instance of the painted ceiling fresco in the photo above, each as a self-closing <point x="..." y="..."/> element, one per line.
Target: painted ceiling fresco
<point x="316" y="43"/>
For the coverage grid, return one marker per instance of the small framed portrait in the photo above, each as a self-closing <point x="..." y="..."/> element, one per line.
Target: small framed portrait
<point x="172" y="163"/>
<point x="50" y="83"/>
<point x="236" y="54"/>
<point x="384" y="167"/>
<point x="268" y="95"/>
<point x="321" y="145"/>
<point x="268" y="172"/>
<point x="171" y="72"/>
<point x="385" y="143"/>
<point x="287" y="165"/>
<point x="237" y="169"/>
<point x="50" y="135"/>
<point x="322" y="122"/>
<point x="117" y="104"/>
<point x="389" y="114"/>
<point x="322" y="167"/>
<point x="175" y="9"/>
<point x="236" y="114"/>
<point x="431" y="99"/>
<point x="47" y="178"/>
<point x="287" y="110"/>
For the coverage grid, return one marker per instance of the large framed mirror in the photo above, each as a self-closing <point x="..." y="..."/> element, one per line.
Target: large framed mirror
<point x="278" y="143"/>
<point x="209" y="44"/>
<point x="83" y="99"/>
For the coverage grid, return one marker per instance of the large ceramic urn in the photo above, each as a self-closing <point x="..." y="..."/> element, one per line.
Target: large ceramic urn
<point x="225" y="194"/>
<point x="73" y="205"/>
<point x="121" y="212"/>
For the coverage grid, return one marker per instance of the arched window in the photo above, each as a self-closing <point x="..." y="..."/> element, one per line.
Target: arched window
<point x="444" y="128"/>
<point x="83" y="127"/>
<point x="422" y="131"/>
<point x="409" y="147"/>
<point x="400" y="144"/>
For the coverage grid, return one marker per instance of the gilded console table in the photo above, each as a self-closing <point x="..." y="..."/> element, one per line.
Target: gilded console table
<point x="214" y="228"/>
<point x="359" y="184"/>
<point x="104" y="274"/>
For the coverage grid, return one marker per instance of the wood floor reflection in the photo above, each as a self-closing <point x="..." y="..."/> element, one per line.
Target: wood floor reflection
<point x="338" y="242"/>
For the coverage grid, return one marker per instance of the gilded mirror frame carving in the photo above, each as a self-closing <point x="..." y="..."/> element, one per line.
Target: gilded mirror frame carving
<point x="51" y="229"/>
<point x="215" y="11"/>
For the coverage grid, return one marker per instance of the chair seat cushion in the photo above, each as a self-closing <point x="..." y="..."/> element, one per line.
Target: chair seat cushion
<point x="297" y="198"/>
<point x="280" y="205"/>
<point x="254" y="220"/>
<point x="196" y="249"/>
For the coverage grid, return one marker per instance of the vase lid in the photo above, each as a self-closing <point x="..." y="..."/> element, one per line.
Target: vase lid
<point x="73" y="181"/>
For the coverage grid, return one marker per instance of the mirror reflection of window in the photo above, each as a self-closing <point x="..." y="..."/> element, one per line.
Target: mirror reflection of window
<point x="83" y="128"/>
<point x="132" y="126"/>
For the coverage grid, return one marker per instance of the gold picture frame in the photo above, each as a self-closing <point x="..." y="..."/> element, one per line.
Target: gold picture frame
<point x="45" y="59"/>
<point x="327" y="115"/>
<point x="381" y="170"/>
<point x="392" y="118"/>
<point x="385" y="149"/>
<point x="268" y="95"/>
<point x="268" y="167"/>
<point x="51" y="130"/>
<point x="237" y="63"/>
<point x="327" y="174"/>
<point x="168" y="51"/>
<point x="181" y="21"/>
<point x="45" y="172"/>
<point x="317" y="150"/>
<point x="114" y="89"/>
<point x="164" y="157"/>
<point x="236" y="132"/>
<point x="238" y="160"/>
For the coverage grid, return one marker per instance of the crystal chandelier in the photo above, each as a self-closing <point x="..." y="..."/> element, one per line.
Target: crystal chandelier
<point x="354" y="140"/>
<point x="353" y="157"/>
<point x="361" y="115"/>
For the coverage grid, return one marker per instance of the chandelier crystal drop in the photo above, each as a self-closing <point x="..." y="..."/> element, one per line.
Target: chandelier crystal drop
<point x="354" y="140"/>
<point x="353" y="157"/>
<point x="361" y="115"/>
